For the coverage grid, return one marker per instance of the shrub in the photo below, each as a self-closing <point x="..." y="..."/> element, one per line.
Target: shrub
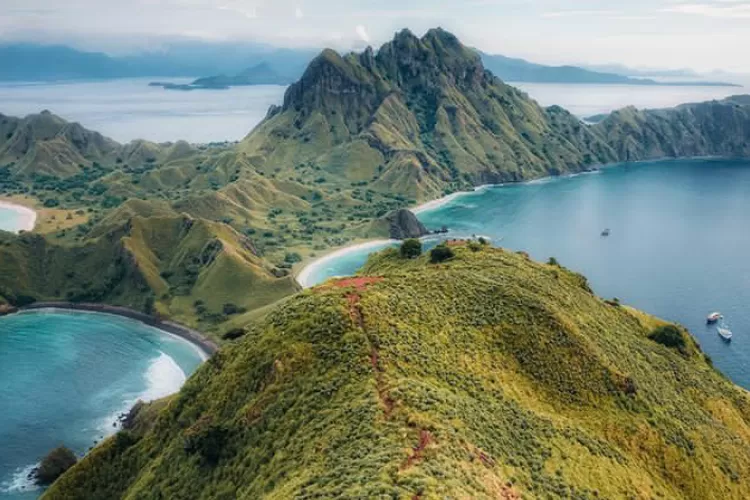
<point x="21" y="300"/>
<point x="411" y="248"/>
<point x="54" y="465"/>
<point x="553" y="262"/>
<point x="234" y="333"/>
<point x="669" y="336"/>
<point x="230" y="309"/>
<point x="206" y="439"/>
<point x="441" y="253"/>
<point x="292" y="257"/>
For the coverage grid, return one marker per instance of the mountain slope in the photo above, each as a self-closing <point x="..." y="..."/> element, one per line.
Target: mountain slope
<point x="34" y="62"/>
<point x="162" y="263"/>
<point x="421" y="115"/>
<point x="717" y="128"/>
<point x="518" y="70"/>
<point x="488" y="376"/>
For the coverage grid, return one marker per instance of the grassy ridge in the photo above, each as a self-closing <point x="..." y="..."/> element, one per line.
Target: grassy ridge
<point x="486" y="376"/>
<point x="198" y="271"/>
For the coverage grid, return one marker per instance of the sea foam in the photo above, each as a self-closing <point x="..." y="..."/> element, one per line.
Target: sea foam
<point x="20" y="482"/>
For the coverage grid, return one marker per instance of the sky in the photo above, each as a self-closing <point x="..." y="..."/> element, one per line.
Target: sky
<point x="700" y="34"/>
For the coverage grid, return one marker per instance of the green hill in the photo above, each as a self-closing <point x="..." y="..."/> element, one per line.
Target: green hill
<point x="487" y="376"/>
<point x="423" y="117"/>
<point x="175" y="266"/>
<point x="357" y="138"/>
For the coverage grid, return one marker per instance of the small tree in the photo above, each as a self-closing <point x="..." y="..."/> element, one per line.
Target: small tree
<point x="54" y="465"/>
<point x="411" y="249"/>
<point x="441" y="253"/>
<point x="553" y="262"/>
<point x="669" y="336"/>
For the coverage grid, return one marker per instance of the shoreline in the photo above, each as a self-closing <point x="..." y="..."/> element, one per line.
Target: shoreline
<point x="206" y="346"/>
<point x="27" y="215"/>
<point x="303" y="276"/>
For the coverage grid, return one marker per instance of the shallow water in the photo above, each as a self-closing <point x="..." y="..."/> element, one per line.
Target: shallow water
<point x="66" y="376"/>
<point x="12" y="220"/>
<point x="678" y="247"/>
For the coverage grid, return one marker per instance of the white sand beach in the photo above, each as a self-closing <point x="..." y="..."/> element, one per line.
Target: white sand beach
<point x="435" y="204"/>
<point x="306" y="275"/>
<point x="27" y="217"/>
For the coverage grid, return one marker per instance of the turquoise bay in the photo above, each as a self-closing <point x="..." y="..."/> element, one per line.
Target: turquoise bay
<point x="65" y="377"/>
<point x="678" y="247"/>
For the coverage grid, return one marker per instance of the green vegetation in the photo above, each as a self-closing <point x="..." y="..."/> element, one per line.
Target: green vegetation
<point x="441" y="253"/>
<point x="357" y="139"/>
<point x="488" y="376"/>
<point x="411" y="248"/>
<point x="673" y="337"/>
<point x="54" y="465"/>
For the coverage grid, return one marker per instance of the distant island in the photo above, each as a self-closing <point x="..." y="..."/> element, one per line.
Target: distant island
<point x="240" y="64"/>
<point x="506" y="68"/>
<point x="260" y="74"/>
<point x="519" y="70"/>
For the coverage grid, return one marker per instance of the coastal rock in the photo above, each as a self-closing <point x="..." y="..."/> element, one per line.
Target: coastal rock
<point x="54" y="465"/>
<point x="6" y="309"/>
<point x="404" y="224"/>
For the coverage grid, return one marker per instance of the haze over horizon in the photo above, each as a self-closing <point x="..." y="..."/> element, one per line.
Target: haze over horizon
<point x="703" y="35"/>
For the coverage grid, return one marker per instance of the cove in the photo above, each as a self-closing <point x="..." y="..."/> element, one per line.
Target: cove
<point x="678" y="247"/>
<point x="65" y="377"/>
<point x="15" y="218"/>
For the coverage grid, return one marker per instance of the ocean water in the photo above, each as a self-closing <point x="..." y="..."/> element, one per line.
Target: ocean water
<point x="678" y="247"/>
<point x="66" y="376"/>
<point x="129" y="109"/>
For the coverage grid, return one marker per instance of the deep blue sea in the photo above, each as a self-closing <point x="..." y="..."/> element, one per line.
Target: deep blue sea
<point x="66" y="376"/>
<point x="679" y="246"/>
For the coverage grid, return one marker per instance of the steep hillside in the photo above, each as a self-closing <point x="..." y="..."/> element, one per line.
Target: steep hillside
<point x="487" y="376"/>
<point x="423" y="117"/>
<point x="419" y="116"/>
<point x="718" y="128"/>
<point x="198" y="271"/>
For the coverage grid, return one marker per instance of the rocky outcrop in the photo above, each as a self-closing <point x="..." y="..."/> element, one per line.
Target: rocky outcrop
<point x="403" y="224"/>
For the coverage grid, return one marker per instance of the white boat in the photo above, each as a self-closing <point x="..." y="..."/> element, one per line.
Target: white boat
<point x="713" y="317"/>
<point x="724" y="332"/>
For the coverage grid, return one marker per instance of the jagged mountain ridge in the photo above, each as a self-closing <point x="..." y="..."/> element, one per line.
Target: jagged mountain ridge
<point x="429" y="114"/>
<point x="424" y="116"/>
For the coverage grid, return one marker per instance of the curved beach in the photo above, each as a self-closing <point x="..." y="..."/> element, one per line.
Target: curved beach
<point x="27" y="216"/>
<point x="206" y="346"/>
<point x="305" y="276"/>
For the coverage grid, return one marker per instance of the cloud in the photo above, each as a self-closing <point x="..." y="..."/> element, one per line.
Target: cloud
<point x="362" y="33"/>
<point x="298" y="13"/>
<point x="727" y="9"/>
<point x="581" y="13"/>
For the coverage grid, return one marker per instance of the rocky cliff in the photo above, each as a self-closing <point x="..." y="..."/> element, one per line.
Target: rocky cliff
<point x="404" y="224"/>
